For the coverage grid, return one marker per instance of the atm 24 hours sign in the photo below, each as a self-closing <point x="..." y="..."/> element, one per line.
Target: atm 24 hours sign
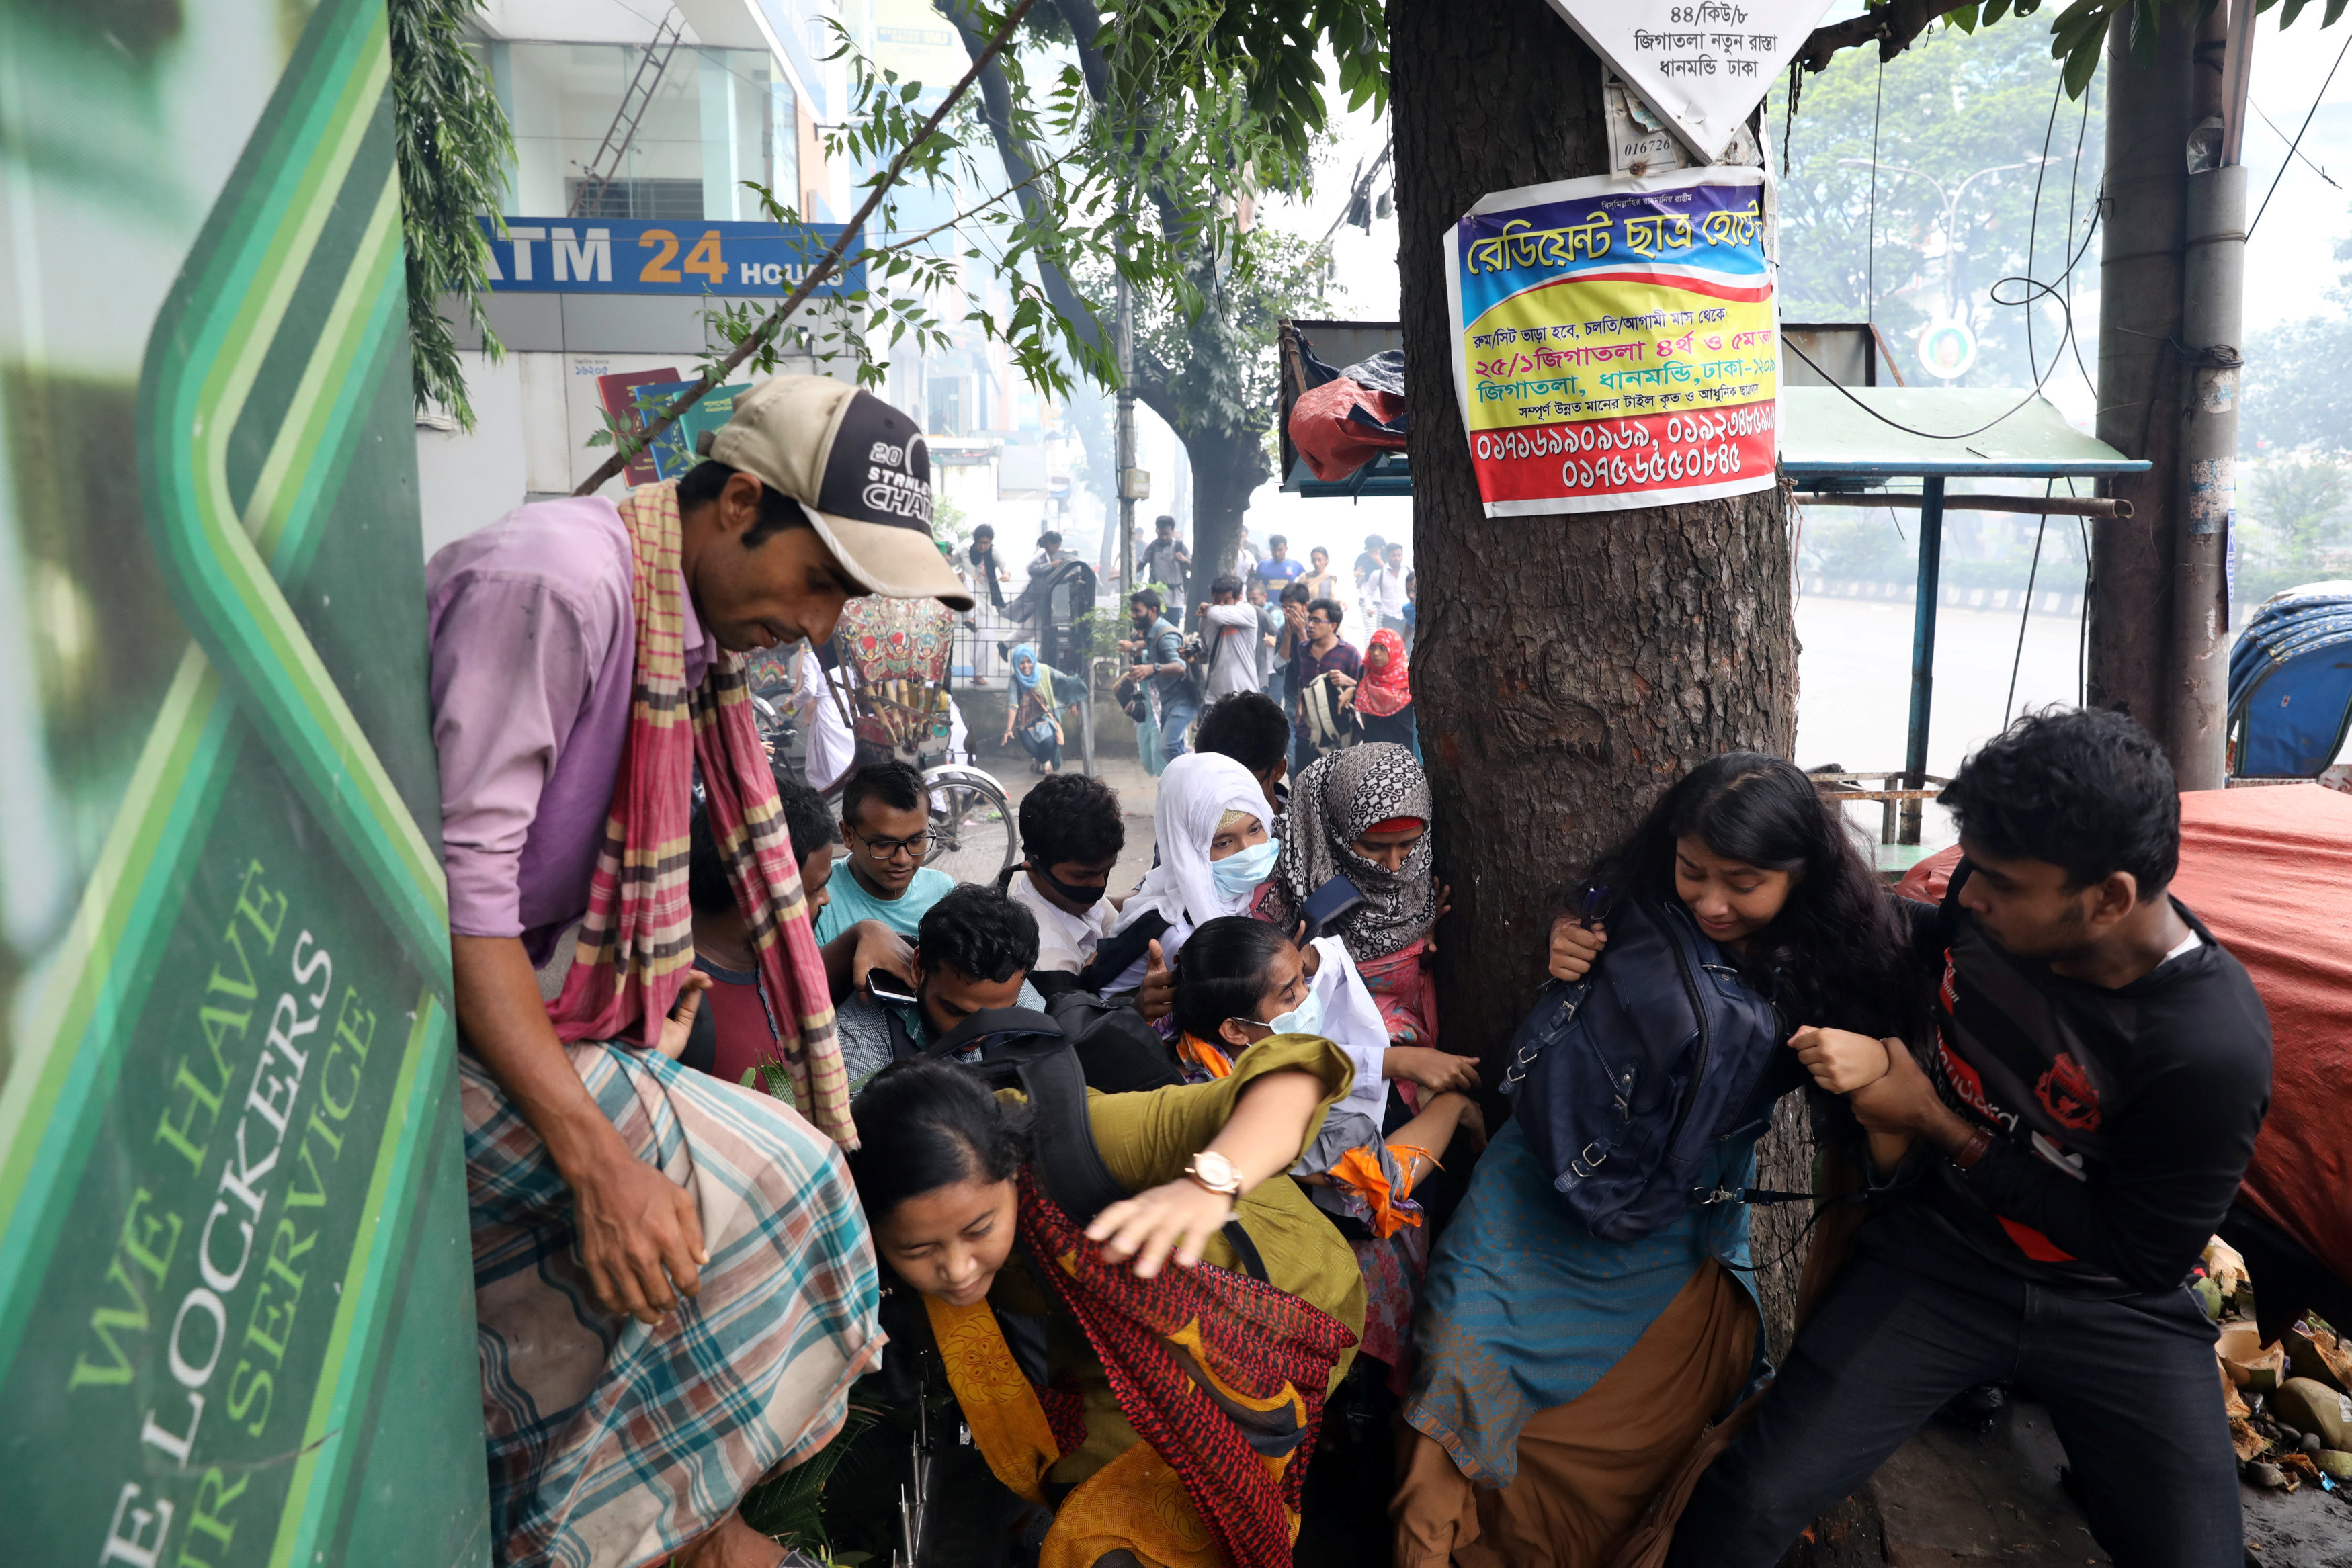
<point x="626" y="255"/>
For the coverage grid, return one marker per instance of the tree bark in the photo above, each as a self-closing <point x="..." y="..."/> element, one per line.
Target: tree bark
<point x="1566" y="667"/>
<point x="1228" y="465"/>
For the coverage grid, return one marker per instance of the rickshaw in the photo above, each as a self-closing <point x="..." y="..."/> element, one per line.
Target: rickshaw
<point x="2291" y="684"/>
<point x="895" y="653"/>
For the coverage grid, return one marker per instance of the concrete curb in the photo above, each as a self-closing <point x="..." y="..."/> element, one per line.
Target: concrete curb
<point x="2046" y="600"/>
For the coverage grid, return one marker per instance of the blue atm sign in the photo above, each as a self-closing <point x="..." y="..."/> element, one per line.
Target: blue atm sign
<point x="624" y="255"/>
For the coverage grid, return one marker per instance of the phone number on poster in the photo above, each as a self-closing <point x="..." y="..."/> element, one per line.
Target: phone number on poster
<point x="1641" y="453"/>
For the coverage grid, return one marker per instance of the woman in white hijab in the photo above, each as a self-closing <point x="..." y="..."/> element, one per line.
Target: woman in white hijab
<point x="1211" y="827"/>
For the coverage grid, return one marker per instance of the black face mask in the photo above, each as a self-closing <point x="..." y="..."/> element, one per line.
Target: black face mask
<point x="1084" y="894"/>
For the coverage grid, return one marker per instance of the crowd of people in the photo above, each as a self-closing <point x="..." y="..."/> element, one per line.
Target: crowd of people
<point x="1275" y="626"/>
<point x="1150" y="1181"/>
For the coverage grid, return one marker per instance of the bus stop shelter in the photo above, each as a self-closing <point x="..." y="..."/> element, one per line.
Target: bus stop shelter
<point x="1845" y="441"/>
<point x="1907" y="446"/>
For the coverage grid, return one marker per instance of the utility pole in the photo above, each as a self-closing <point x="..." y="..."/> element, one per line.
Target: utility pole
<point x="2143" y="223"/>
<point x="2212" y="288"/>
<point x="1125" y="439"/>
<point x="2171" y="296"/>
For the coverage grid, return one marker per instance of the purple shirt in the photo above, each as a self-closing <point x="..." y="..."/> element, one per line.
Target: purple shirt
<point x="1306" y="665"/>
<point x="534" y="662"/>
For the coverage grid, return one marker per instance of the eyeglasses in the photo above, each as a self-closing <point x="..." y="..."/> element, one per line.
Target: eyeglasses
<point x="890" y="849"/>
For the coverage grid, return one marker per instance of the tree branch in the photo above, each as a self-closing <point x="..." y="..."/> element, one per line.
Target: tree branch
<point x="1893" y="25"/>
<point x="830" y="264"/>
<point x="996" y="110"/>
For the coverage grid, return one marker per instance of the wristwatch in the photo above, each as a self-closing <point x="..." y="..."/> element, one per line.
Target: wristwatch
<point x="1216" y="1173"/>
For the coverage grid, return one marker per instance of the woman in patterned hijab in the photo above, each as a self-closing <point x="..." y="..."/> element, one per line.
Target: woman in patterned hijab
<point x="1363" y="814"/>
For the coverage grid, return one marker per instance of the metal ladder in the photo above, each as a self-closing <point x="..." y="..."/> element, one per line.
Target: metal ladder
<point x="599" y="171"/>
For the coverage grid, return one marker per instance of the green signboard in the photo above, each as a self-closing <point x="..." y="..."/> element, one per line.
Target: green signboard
<point x="236" y="1303"/>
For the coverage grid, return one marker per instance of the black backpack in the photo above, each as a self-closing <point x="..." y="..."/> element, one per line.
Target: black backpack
<point x="1626" y="1080"/>
<point x="1026" y="1049"/>
<point x="1116" y="1051"/>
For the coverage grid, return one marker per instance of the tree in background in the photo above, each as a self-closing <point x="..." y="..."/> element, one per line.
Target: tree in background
<point x="1204" y="355"/>
<point x="1960" y="118"/>
<point x="2288" y="532"/>
<point x="1214" y="376"/>
<point x="2291" y="396"/>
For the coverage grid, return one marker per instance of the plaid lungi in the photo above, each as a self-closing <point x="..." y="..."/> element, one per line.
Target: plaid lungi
<point x="612" y="1444"/>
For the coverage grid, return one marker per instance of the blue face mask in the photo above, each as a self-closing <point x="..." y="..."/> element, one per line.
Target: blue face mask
<point x="1243" y="869"/>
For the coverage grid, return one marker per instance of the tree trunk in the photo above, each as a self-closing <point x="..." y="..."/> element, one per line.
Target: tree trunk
<point x="1566" y="667"/>
<point x="1228" y="466"/>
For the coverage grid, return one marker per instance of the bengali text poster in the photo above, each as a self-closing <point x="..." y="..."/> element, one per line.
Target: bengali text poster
<point x="1617" y="342"/>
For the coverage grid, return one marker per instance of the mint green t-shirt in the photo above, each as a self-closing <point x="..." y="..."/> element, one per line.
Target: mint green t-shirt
<point x="851" y="903"/>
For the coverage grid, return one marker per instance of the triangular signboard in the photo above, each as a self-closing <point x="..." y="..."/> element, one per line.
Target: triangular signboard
<point x="1702" y="64"/>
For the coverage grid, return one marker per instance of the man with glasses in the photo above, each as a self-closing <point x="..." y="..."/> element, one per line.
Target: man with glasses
<point x="885" y="819"/>
<point x="1321" y="652"/>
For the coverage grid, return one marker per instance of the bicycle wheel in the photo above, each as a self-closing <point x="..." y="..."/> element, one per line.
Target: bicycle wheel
<point x="973" y="834"/>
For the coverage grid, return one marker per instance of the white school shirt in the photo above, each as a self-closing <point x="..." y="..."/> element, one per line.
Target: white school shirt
<point x="1066" y="942"/>
<point x="1353" y="1022"/>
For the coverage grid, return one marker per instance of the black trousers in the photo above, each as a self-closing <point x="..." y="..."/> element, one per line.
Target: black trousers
<point x="2130" y="1385"/>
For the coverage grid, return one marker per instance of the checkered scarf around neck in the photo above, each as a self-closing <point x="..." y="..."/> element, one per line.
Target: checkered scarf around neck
<point x="637" y="943"/>
<point x="1332" y="805"/>
<point x="1223" y="1375"/>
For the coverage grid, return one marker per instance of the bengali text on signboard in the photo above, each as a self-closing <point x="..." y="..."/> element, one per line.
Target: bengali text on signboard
<point x="1617" y="344"/>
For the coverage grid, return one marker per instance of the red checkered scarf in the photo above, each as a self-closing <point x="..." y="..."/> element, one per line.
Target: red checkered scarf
<point x="637" y="941"/>
<point x="1177" y="1349"/>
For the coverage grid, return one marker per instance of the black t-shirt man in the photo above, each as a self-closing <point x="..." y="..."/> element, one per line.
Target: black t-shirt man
<point x="2120" y="1119"/>
<point x="2098" y="1067"/>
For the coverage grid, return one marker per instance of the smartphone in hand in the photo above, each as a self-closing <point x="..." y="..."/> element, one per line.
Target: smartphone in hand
<point x="1328" y="902"/>
<point x="886" y="987"/>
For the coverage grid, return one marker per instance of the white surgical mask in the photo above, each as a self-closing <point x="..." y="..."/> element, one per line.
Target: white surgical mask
<point x="1307" y="1018"/>
<point x="1244" y="869"/>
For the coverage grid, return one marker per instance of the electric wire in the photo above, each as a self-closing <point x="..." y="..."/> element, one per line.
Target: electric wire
<point x="2033" y="215"/>
<point x="2288" y="162"/>
<point x="2082" y="622"/>
<point x="1870" y="227"/>
<point x="2036" y="290"/>
<point x="2033" y="574"/>
<point x="2073" y="185"/>
<point x="2317" y="169"/>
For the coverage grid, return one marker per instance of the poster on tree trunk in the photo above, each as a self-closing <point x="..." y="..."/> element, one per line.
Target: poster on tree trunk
<point x="1617" y="341"/>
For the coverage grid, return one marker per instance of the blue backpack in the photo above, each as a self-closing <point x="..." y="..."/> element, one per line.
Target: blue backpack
<point x="1625" y="1080"/>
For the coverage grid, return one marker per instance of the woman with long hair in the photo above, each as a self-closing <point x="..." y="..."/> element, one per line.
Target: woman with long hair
<point x="1121" y="1371"/>
<point x="1563" y="1378"/>
<point x="1240" y="980"/>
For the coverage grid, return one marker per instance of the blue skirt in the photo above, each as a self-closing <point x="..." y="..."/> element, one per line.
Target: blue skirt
<point x="1524" y="1309"/>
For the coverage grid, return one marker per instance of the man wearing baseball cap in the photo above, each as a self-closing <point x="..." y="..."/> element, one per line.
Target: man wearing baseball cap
<point x="585" y="671"/>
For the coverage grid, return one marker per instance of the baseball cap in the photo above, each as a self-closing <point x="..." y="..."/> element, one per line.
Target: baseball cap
<point x="859" y="467"/>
